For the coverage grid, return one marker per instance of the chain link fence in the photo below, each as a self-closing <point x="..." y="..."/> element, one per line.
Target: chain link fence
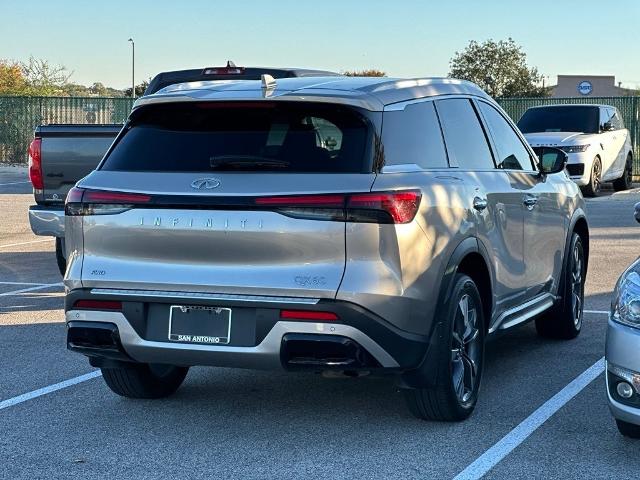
<point x="19" y="116"/>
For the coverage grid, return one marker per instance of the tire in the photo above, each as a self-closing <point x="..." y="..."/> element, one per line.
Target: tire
<point x="142" y="380"/>
<point x="459" y="361"/>
<point x="564" y="320"/>
<point x="629" y="430"/>
<point x="60" y="258"/>
<point x="592" y="189"/>
<point x="626" y="180"/>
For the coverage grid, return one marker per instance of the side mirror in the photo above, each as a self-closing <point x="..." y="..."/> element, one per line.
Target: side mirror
<point x="607" y="127"/>
<point x="551" y="159"/>
<point x="637" y="212"/>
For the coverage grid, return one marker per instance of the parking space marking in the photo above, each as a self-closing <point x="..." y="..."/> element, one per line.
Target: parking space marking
<point x="22" y="283"/>
<point x="50" y="389"/>
<point x="31" y="289"/>
<point x="27" y="243"/>
<point x="13" y="183"/>
<point x="602" y="312"/>
<point x="520" y="433"/>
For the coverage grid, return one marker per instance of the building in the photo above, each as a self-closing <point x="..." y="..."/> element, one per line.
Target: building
<point x="589" y="86"/>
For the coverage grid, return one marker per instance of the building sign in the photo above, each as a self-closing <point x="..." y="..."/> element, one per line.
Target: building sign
<point x="585" y="88"/>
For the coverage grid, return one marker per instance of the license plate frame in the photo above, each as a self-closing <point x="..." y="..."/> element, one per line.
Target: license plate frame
<point x="207" y="325"/>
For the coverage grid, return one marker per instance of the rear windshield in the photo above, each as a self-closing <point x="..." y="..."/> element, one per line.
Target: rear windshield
<point x="243" y="136"/>
<point x="560" y="119"/>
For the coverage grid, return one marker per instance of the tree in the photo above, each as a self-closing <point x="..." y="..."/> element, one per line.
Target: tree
<point x="12" y="80"/>
<point x="44" y="78"/>
<point x="371" y="72"/>
<point x="140" y="88"/>
<point x="500" y="68"/>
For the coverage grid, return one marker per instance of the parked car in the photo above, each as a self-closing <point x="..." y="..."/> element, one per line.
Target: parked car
<point x="60" y="155"/>
<point x="352" y="224"/>
<point x="594" y="137"/>
<point x="623" y="350"/>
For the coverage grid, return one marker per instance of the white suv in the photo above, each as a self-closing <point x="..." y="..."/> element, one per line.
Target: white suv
<point x="594" y="137"/>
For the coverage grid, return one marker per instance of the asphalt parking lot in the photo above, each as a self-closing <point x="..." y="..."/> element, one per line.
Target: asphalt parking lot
<point x="532" y="421"/>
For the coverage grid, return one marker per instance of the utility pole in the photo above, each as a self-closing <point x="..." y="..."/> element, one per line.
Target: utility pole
<point x="133" y="68"/>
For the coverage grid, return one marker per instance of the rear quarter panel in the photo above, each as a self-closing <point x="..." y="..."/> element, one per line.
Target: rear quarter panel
<point x="396" y="270"/>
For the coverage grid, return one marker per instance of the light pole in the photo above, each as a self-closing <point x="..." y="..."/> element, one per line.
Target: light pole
<point x="133" y="68"/>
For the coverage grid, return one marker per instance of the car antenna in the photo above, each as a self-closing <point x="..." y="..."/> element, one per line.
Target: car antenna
<point x="268" y="84"/>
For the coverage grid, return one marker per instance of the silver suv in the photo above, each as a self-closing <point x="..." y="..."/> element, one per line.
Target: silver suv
<point x="347" y="224"/>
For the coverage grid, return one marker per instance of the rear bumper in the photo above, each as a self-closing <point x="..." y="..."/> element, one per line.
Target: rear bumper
<point x="143" y="334"/>
<point x="47" y="221"/>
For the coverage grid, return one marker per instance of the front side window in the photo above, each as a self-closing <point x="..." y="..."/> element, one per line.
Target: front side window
<point x="463" y="135"/>
<point x="284" y="137"/>
<point x="413" y="136"/>
<point x="510" y="151"/>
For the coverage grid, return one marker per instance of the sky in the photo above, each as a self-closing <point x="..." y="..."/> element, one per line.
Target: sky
<point x="403" y="38"/>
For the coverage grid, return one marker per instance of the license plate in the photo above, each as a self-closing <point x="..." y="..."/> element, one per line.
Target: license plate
<point x="204" y="325"/>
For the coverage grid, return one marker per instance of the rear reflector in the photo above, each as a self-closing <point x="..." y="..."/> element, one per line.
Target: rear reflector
<point x="98" y="305"/>
<point x="308" y="315"/>
<point x="35" y="164"/>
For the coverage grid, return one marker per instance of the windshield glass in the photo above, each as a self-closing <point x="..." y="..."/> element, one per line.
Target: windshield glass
<point x="560" y="119"/>
<point x="243" y="136"/>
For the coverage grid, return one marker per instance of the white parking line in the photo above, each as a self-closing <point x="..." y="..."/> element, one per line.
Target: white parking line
<point x="602" y="312"/>
<point x="51" y="388"/>
<point x="13" y="183"/>
<point x="27" y="243"/>
<point x="22" y="283"/>
<point x="515" y="437"/>
<point x="31" y="289"/>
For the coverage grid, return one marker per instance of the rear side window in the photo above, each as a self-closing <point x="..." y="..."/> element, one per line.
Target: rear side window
<point x="243" y="136"/>
<point x="466" y="143"/>
<point x="511" y="152"/>
<point x="413" y="136"/>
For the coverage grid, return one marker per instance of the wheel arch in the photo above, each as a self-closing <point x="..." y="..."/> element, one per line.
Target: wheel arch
<point x="471" y="258"/>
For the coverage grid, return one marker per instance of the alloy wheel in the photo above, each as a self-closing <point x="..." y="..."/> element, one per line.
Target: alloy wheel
<point x="465" y="350"/>
<point x="596" y="177"/>
<point x="577" y="288"/>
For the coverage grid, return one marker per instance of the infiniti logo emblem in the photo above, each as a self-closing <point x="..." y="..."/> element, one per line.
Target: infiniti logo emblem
<point x="205" y="183"/>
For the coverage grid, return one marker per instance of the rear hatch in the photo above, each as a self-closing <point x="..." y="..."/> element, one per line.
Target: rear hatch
<point x="240" y="198"/>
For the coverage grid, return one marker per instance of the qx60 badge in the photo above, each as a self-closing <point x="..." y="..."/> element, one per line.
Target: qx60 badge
<point x="205" y="183"/>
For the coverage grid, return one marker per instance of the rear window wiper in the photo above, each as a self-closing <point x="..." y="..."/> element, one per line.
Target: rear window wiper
<point x="246" y="161"/>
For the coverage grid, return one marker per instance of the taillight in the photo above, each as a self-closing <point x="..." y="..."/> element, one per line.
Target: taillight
<point x="98" y="202"/>
<point x="308" y="315"/>
<point x="401" y="206"/>
<point x="35" y="163"/>
<point x="98" y="305"/>
<point x="374" y="207"/>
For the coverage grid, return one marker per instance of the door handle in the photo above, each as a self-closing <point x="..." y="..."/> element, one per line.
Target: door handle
<point x="530" y="201"/>
<point x="479" y="203"/>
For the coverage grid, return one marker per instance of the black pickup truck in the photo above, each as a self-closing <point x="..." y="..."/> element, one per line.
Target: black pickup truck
<point x="60" y="155"/>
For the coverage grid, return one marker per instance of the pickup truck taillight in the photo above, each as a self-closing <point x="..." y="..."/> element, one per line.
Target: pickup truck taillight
<point x="35" y="164"/>
<point x="97" y="202"/>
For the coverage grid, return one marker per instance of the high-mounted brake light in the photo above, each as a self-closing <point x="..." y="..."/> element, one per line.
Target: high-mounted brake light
<point x="308" y="315"/>
<point x="35" y="163"/>
<point x="98" y="305"/>
<point x="230" y="69"/>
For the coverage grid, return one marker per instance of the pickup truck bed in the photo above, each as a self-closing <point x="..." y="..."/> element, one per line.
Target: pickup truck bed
<point x="67" y="153"/>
